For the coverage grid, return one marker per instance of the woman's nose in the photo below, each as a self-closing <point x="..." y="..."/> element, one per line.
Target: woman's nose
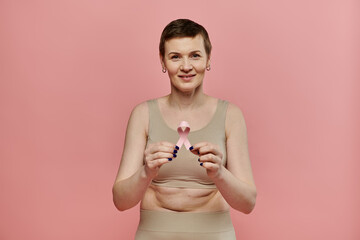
<point x="186" y="66"/>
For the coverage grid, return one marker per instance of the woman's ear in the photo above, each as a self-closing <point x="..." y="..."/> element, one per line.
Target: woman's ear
<point x="162" y="63"/>
<point x="208" y="62"/>
<point x="161" y="60"/>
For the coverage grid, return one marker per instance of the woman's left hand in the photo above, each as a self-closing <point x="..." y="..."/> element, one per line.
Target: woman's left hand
<point x="210" y="157"/>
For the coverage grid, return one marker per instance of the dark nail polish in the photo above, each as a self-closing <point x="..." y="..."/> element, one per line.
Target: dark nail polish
<point x="191" y="148"/>
<point x="175" y="151"/>
<point x="174" y="155"/>
<point x="170" y="159"/>
<point x="201" y="164"/>
<point x="199" y="160"/>
<point x="176" y="147"/>
<point x="199" y="152"/>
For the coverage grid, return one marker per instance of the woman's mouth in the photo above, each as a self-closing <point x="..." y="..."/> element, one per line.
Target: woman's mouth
<point x="187" y="77"/>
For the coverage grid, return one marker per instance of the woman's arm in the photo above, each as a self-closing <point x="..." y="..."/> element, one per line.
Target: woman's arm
<point x="235" y="183"/>
<point x="132" y="181"/>
<point x="134" y="176"/>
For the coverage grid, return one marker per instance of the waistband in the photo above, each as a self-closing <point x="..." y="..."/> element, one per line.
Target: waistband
<point x="207" y="222"/>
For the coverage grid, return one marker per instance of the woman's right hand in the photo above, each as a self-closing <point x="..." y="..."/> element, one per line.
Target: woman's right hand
<point x="157" y="154"/>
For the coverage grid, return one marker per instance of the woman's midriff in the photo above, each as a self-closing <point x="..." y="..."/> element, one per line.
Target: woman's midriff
<point x="183" y="199"/>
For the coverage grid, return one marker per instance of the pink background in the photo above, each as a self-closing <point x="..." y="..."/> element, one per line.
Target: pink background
<point x="71" y="71"/>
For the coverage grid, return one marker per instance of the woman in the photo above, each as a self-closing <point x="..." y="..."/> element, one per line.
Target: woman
<point x="185" y="192"/>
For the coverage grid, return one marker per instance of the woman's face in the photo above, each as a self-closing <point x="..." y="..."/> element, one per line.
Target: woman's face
<point x="186" y="60"/>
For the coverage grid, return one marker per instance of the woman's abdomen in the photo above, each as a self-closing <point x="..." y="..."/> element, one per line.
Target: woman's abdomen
<point x="183" y="199"/>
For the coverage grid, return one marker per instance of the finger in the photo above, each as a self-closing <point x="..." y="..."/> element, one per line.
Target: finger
<point x="199" y="145"/>
<point x="210" y="158"/>
<point x="161" y="148"/>
<point x="157" y="163"/>
<point x="163" y="161"/>
<point x="205" y="148"/>
<point x="159" y="155"/>
<point x="210" y="166"/>
<point x="195" y="148"/>
<point x="168" y="144"/>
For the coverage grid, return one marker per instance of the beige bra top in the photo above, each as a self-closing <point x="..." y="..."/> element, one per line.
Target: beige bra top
<point x="184" y="171"/>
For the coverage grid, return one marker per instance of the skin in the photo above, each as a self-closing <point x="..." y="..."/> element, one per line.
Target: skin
<point x="185" y="60"/>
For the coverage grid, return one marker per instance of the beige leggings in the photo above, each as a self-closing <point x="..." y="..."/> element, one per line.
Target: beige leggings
<point x="161" y="225"/>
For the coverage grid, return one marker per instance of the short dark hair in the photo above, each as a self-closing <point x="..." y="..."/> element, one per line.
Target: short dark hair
<point x="184" y="28"/>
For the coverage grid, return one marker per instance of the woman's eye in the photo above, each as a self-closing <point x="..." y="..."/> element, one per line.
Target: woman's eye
<point x="195" y="55"/>
<point x="175" y="57"/>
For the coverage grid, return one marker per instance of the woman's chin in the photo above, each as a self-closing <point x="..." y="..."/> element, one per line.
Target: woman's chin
<point x="187" y="89"/>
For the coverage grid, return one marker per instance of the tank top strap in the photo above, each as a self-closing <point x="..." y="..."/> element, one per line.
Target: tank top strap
<point x="218" y="120"/>
<point x="155" y="120"/>
<point x="222" y="109"/>
<point x="152" y="108"/>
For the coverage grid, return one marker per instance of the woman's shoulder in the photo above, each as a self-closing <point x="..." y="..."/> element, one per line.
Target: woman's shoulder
<point x="234" y="117"/>
<point x="140" y="109"/>
<point x="234" y="110"/>
<point x="139" y="116"/>
<point x="231" y="107"/>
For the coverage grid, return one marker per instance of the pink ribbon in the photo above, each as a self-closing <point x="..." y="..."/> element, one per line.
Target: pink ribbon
<point x="183" y="135"/>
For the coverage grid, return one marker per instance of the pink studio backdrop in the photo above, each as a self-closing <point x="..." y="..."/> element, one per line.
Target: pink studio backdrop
<point x="71" y="71"/>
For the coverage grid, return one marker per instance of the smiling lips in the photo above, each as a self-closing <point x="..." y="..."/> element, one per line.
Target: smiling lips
<point x="187" y="77"/>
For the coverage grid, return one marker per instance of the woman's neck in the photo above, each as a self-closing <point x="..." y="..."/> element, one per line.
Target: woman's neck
<point x="186" y="101"/>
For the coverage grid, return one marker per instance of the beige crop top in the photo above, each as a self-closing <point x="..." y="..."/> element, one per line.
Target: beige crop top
<point x="184" y="171"/>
